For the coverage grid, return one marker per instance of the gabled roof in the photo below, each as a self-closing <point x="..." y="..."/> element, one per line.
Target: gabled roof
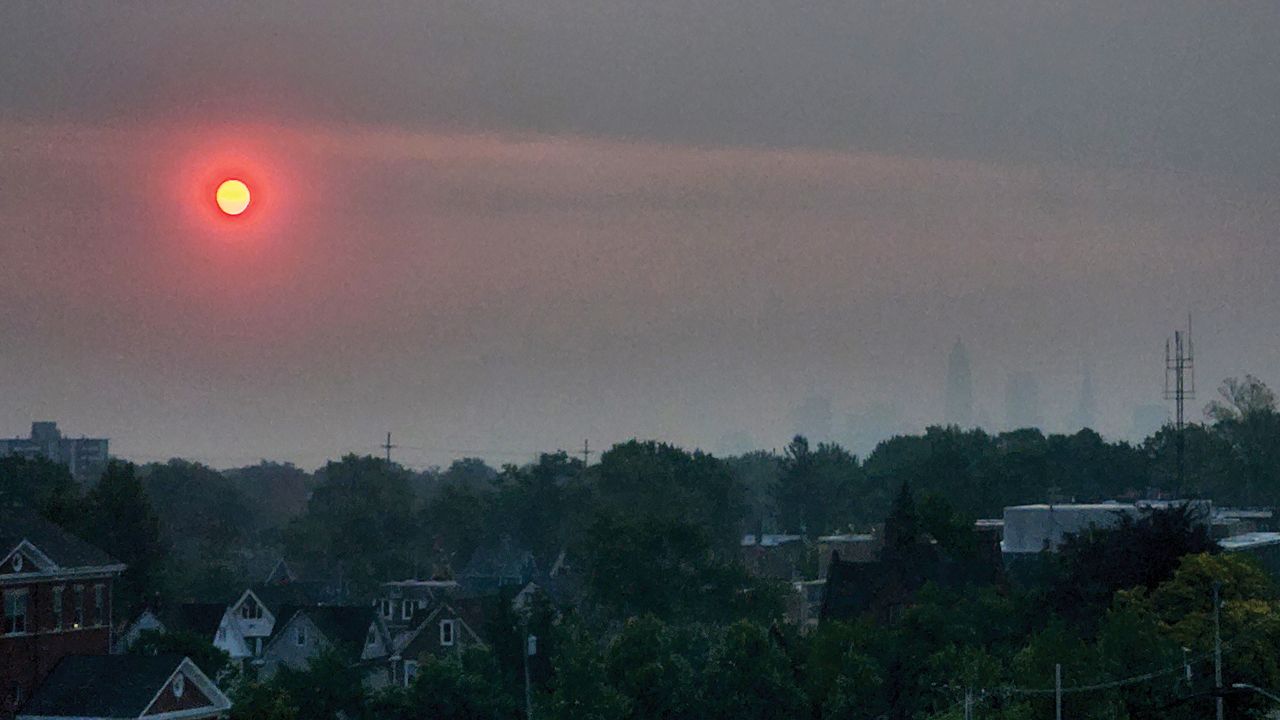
<point x="469" y="612"/>
<point x="200" y="619"/>
<point x="345" y="627"/>
<point x="503" y="559"/>
<point x="342" y="625"/>
<point x="64" y="550"/>
<point x="113" y="686"/>
<point x="294" y="593"/>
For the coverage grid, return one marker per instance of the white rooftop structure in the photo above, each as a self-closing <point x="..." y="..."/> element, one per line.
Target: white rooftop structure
<point x="770" y="540"/>
<point x="1033" y="528"/>
<point x="1248" y="541"/>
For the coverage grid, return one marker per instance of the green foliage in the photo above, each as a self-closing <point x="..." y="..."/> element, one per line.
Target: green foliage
<point x="817" y="488"/>
<point x="1140" y="552"/>
<point x="211" y="661"/>
<point x="676" y="487"/>
<point x="119" y="519"/>
<point x="749" y="677"/>
<point x="645" y="663"/>
<point x="357" y="522"/>
<point x="204" y="519"/>
<point x="466" y="687"/>
<point x="263" y="701"/>
<point x="328" y="689"/>
<point x="580" y="689"/>
<point x="276" y="491"/>
<point x="42" y="485"/>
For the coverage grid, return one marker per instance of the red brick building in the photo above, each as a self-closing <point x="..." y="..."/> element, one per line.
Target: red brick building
<point x="56" y="595"/>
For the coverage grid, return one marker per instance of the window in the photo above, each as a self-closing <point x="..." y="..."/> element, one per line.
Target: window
<point x="406" y="609"/>
<point x="250" y="609"/>
<point x="446" y="632"/>
<point x="222" y="634"/>
<point x="77" y="608"/>
<point x="410" y="671"/>
<point x="371" y="638"/>
<point x="300" y="634"/>
<point x="57" y="608"/>
<point x="384" y="607"/>
<point x="99" y="605"/>
<point x="15" y="612"/>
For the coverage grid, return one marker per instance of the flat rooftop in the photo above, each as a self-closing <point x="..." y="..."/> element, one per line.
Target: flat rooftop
<point x="1249" y="540"/>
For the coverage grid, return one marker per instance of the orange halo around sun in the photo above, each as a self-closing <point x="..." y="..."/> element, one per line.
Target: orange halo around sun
<point x="233" y="197"/>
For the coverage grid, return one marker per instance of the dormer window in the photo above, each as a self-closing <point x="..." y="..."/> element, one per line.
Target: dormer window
<point x="406" y="609"/>
<point x="446" y="632"/>
<point x="250" y="609"/>
<point x="300" y="635"/>
<point x="384" y="608"/>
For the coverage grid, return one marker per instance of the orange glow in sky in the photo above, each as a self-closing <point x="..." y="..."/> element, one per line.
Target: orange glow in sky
<point x="233" y="197"/>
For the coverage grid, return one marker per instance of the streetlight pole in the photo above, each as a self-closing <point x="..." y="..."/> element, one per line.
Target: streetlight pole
<point x="1217" y="649"/>
<point x="1246" y="686"/>
<point x="1057" y="690"/>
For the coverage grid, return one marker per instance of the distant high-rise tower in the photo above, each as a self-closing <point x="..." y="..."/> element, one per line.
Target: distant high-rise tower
<point x="1022" y="401"/>
<point x="959" y="410"/>
<point x="1085" y="406"/>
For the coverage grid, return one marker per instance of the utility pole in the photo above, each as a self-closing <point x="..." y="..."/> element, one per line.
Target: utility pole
<point x="1217" y="650"/>
<point x="587" y="452"/>
<point x="387" y="446"/>
<point x="530" y="646"/>
<point x="1057" y="691"/>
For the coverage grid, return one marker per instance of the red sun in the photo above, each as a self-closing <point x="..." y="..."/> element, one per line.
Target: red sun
<point x="233" y="197"/>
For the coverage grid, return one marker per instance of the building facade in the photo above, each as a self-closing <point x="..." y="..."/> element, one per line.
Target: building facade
<point x="86" y="457"/>
<point x="56" y="592"/>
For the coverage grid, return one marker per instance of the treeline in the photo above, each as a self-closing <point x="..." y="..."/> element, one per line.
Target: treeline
<point x="1138" y="634"/>
<point x="200" y="531"/>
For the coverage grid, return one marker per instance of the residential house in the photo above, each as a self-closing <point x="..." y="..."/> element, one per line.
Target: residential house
<point x="56" y="592"/>
<point x="398" y="602"/>
<point x="907" y="560"/>
<point x="497" y="566"/>
<point x="108" y="687"/>
<point x="445" y="629"/>
<point x="254" y="614"/>
<point x="777" y="557"/>
<point x="852" y="547"/>
<point x="209" y="621"/>
<point x="358" y="633"/>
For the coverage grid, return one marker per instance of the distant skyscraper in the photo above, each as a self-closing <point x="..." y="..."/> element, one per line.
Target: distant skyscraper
<point x="959" y="410"/>
<point x="1085" y="406"/>
<point x="1022" y="401"/>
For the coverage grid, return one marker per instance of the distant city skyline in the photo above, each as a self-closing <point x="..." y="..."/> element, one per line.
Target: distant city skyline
<point x="496" y="228"/>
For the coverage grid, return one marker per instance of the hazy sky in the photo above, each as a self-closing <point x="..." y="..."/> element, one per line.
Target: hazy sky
<point x="501" y="226"/>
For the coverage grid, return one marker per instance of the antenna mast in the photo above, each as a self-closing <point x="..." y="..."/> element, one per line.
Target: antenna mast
<point x="1180" y="386"/>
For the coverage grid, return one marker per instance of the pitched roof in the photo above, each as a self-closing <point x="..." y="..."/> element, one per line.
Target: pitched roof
<point x="280" y="599"/>
<point x="63" y="548"/>
<point x="343" y="625"/>
<point x="107" y="686"/>
<point x="201" y="619"/>
<point x="503" y="559"/>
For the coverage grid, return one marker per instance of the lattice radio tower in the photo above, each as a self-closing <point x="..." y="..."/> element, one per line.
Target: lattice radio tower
<point x="1180" y="386"/>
